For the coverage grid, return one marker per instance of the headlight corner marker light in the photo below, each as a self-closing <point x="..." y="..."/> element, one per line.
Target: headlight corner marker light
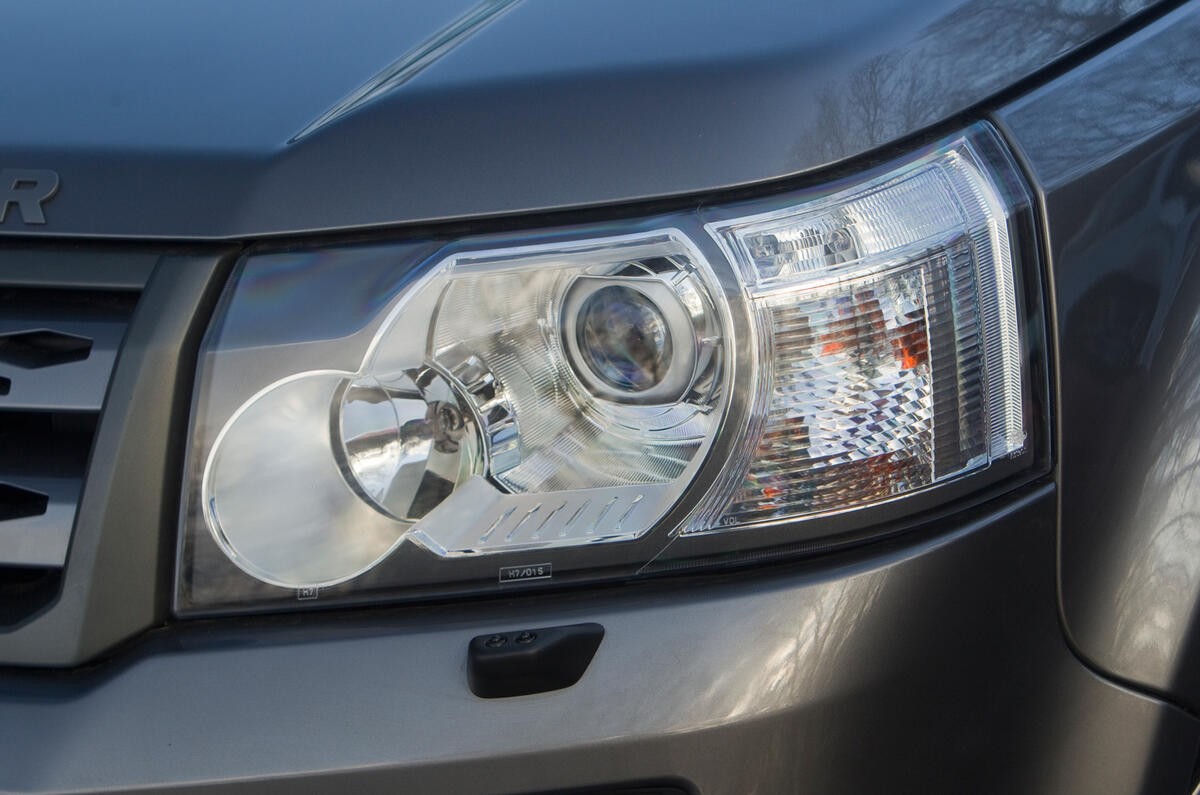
<point x="892" y="313"/>
<point x="528" y="400"/>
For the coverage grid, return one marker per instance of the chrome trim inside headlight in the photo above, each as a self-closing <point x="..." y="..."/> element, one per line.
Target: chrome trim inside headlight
<point x="389" y="421"/>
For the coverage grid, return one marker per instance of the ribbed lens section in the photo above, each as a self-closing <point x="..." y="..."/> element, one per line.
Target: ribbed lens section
<point x="917" y="209"/>
<point x="889" y="324"/>
<point x="857" y="412"/>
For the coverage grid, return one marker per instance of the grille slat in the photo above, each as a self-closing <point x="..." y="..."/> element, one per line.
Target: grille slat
<point x="41" y="539"/>
<point x="58" y="345"/>
<point x="68" y="386"/>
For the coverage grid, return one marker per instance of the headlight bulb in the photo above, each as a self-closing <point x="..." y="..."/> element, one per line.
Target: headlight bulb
<point x="406" y="441"/>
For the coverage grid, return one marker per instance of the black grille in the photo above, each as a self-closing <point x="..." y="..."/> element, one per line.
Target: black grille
<point x="58" y="344"/>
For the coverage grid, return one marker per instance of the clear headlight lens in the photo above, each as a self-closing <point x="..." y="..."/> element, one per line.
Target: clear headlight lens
<point x="378" y="421"/>
<point x="894" y="358"/>
<point x="518" y="399"/>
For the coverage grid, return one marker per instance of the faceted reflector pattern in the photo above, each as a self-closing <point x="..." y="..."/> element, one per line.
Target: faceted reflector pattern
<point x="850" y="417"/>
<point x="889" y="328"/>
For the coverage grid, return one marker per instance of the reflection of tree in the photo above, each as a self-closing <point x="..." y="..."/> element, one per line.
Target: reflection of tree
<point x="971" y="53"/>
<point x="797" y="657"/>
<point x="1124" y="284"/>
<point x="1124" y="97"/>
<point x="1155" y="598"/>
<point x="1131" y="97"/>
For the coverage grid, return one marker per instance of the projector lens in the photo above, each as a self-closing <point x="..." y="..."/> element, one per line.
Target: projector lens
<point x="624" y="338"/>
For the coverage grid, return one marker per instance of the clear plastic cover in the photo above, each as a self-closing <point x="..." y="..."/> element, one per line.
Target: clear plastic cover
<point x="419" y="418"/>
<point x="890" y="317"/>
<point x="473" y="426"/>
<point x="570" y="466"/>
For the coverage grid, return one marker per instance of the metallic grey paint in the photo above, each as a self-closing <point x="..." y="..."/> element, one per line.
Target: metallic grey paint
<point x="174" y="121"/>
<point x="933" y="666"/>
<point x="1115" y="146"/>
<point x="931" y="662"/>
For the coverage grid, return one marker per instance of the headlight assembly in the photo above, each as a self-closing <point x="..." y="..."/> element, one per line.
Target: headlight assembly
<point x="433" y="417"/>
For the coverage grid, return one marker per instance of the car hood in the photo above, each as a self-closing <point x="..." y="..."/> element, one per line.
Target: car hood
<point x="236" y="119"/>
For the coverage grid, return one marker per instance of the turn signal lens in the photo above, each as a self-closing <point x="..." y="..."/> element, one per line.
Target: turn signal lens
<point x="891" y="341"/>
